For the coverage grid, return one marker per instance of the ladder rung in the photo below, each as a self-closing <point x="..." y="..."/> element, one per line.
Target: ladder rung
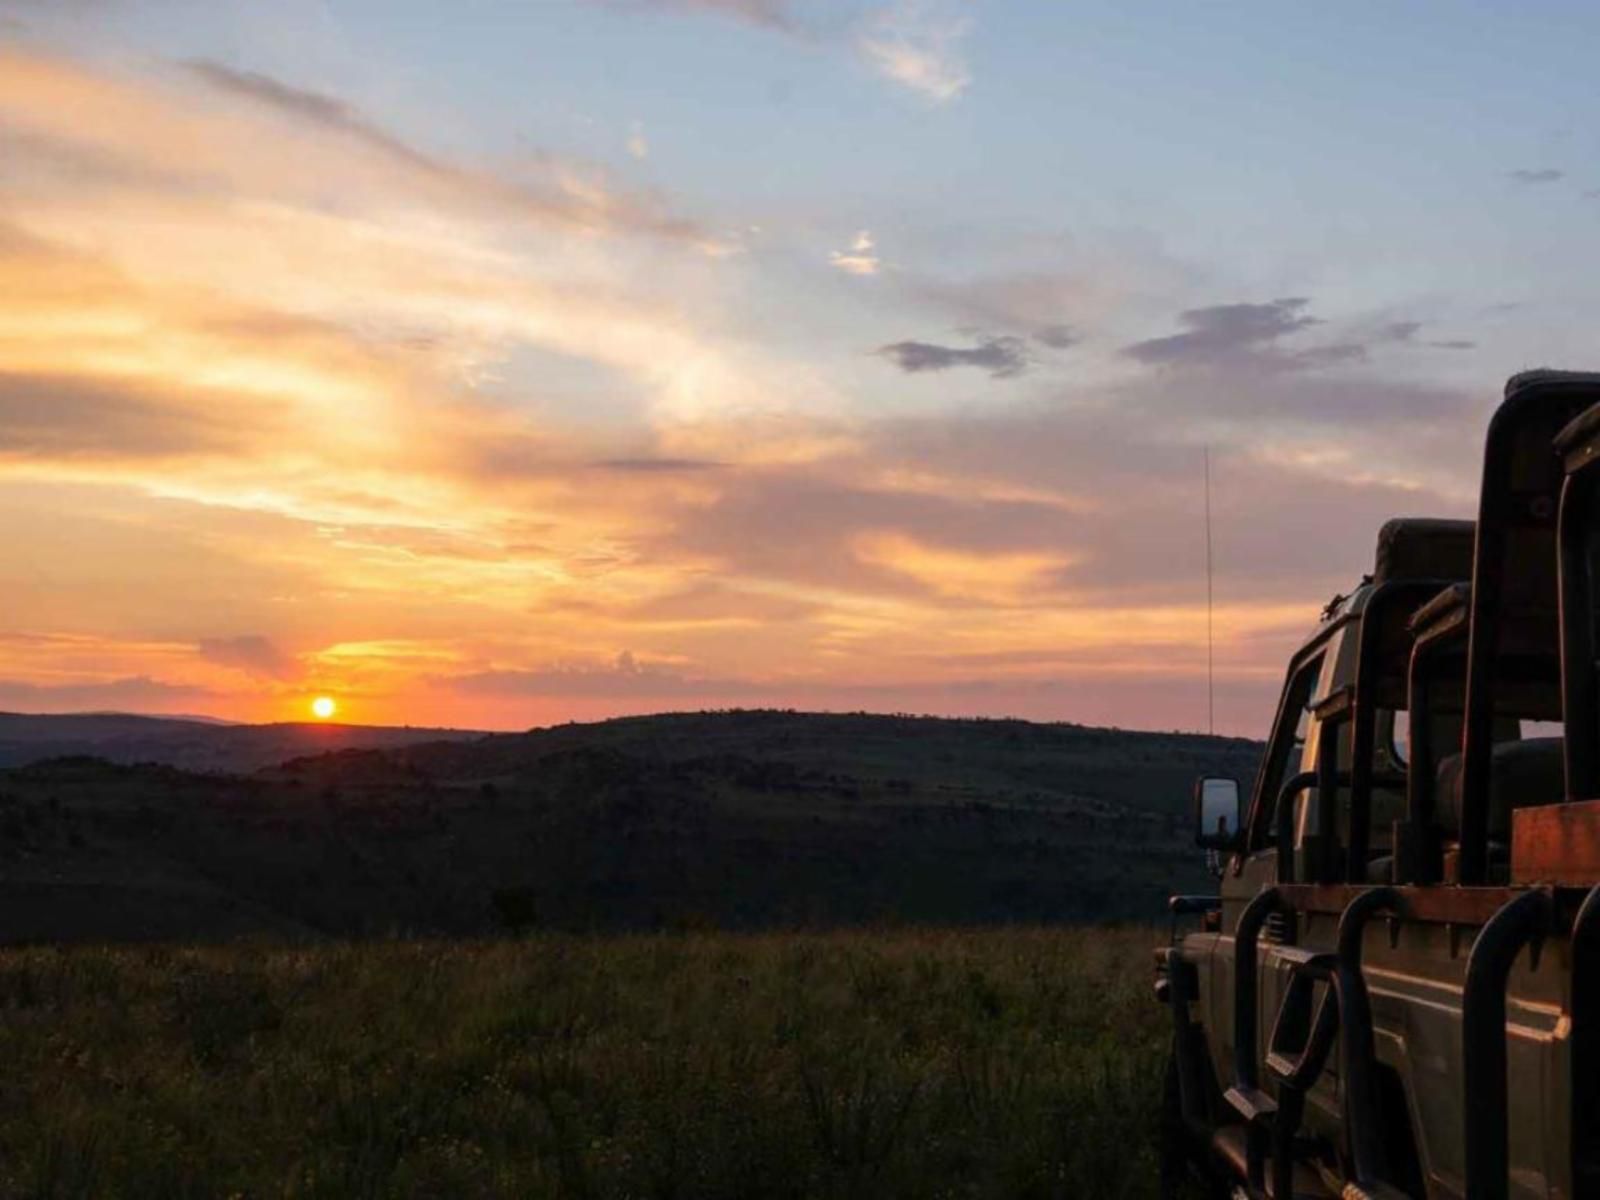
<point x="1298" y="957"/>
<point x="1281" y="1065"/>
<point x="1252" y="1103"/>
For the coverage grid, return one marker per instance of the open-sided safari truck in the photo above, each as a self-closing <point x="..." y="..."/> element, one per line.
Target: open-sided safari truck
<point x="1397" y="991"/>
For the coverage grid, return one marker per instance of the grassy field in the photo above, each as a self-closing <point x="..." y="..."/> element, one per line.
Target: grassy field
<point x="1017" y="1063"/>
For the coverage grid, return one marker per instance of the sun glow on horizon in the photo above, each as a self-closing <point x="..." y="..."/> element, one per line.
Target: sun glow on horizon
<point x="323" y="708"/>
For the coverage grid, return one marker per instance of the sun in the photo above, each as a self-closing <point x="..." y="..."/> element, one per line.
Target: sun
<point x="323" y="707"/>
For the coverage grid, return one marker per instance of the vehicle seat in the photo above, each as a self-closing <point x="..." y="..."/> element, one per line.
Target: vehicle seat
<point x="1522" y="774"/>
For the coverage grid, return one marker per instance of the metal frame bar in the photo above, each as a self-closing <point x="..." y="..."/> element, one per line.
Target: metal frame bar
<point x="1523" y="920"/>
<point x="1358" y="1056"/>
<point x="1363" y="747"/>
<point x="1284" y="815"/>
<point x="1584" y="1072"/>
<point x="1324" y="852"/>
<point x="1246" y="1095"/>
<point x="1580" y="689"/>
<point x="1497" y="513"/>
<point x="1315" y="648"/>
<point x="1420" y="859"/>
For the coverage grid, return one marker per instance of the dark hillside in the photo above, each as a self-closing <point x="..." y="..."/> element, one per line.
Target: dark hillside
<point x="730" y="820"/>
<point x="1021" y="760"/>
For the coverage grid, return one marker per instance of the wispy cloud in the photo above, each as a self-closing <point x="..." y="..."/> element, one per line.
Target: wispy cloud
<point x="659" y="465"/>
<point x="773" y="14"/>
<point x="638" y="146"/>
<point x="548" y="188"/>
<point x="918" y="46"/>
<point x="860" y="259"/>
<point x="444" y="436"/>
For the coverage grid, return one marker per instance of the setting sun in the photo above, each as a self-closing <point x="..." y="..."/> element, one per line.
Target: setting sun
<point x="323" y="707"/>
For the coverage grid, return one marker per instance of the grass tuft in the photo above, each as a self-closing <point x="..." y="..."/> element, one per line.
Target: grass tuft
<point x="1016" y="1063"/>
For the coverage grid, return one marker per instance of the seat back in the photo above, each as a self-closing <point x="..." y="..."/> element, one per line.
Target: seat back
<point x="1579" y="540"/>
<point x="1513" y="653"/>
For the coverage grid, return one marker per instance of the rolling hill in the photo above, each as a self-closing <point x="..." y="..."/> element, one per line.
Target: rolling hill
<point x="737" y="820"/>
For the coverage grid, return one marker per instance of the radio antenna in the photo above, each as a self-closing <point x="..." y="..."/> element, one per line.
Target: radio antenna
<point x="1211" y="693"/>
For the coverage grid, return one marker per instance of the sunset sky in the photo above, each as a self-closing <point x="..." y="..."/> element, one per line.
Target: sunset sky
<point x="494" y="364"/>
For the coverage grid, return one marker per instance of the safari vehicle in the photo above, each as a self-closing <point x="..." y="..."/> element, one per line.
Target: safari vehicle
<point x="1397" y="990"/>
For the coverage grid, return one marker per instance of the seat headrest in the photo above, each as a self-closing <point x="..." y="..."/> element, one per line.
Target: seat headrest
<point x="1424" y="548"/>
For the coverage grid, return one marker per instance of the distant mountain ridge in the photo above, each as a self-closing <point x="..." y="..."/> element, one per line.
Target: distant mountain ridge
<point x="193" y="744"/>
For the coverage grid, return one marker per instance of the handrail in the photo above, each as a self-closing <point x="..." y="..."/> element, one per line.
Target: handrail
<point x="1417" y="859"/>
<point x="1357" y="1053"/>
<point x="1246" y="1095"/>
<point x="1580" y="689"/>
<point x="1285" y="821"/>
<point x="1363" y="741"/>
<point x="1246" y="1070"/>
<point x="1523" y="919"/>
<point x="1284" y="816"/>
<point x="1585" y="1053"/>
<point x="1324" y="851"/>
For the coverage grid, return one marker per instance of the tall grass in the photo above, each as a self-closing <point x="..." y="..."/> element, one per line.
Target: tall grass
<point x="1020" y="1063"/>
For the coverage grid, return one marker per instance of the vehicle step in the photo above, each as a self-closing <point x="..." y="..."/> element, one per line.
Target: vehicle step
<point x="1309" y="1184"/>
<point x="1252" y="1103"/>
<point x="1300" y="956"/>
<point x="1281" y="1065"/>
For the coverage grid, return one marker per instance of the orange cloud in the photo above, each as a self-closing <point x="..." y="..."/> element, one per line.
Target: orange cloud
<point x="288" y="403"/>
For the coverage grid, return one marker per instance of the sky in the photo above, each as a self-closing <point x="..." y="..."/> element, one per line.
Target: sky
<point x="498" y="364"/>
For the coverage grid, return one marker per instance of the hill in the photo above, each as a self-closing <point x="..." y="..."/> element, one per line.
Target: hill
<point x="736" y="820"/>
<point x="193" y="743"/>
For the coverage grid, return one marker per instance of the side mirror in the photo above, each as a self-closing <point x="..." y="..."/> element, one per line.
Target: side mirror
<point x="1218" y="813"/>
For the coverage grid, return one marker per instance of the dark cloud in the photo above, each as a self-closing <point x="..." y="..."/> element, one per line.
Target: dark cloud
<point x="1398" y="331"/>
<point x="1002" y="357"/>
<point x="1057" y="337"/>
<point x="1246" y="338"/>
<point x="659" y="465"/>
<point x="1536" y="175"/>
<point x="1406" y="331"/>
<point x="1225" y="331"/>
<point x="251" y="653"/>
<point x="772" y="14"/>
